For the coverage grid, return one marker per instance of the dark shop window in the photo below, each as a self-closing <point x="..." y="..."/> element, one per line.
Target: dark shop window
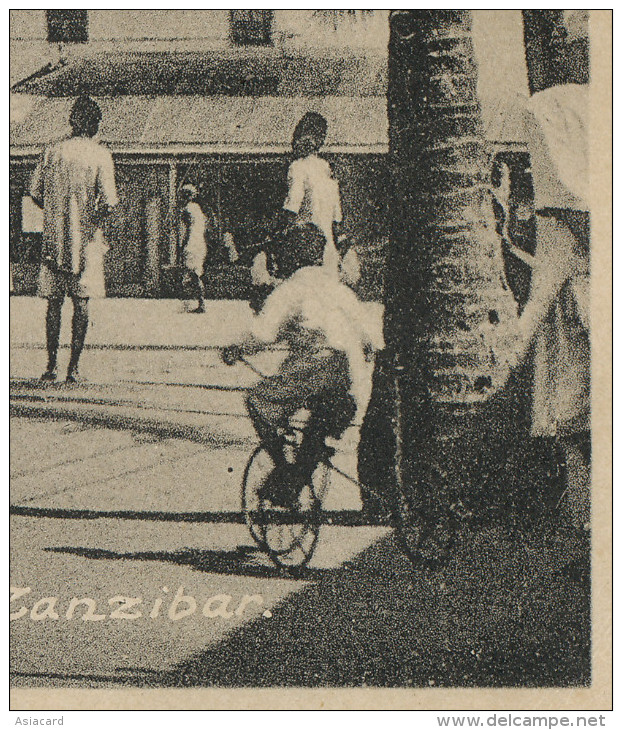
<point x="251" y="27"/>
<point x="68" y="26"/>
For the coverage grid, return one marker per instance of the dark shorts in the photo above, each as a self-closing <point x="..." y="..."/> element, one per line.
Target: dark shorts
<point x="317" y="381"/>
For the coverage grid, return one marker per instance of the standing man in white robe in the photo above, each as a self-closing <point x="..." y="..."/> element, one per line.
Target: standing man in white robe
<point x="74" y="184"/>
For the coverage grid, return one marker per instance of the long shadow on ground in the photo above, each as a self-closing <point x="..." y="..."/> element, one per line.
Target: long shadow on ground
<point x="247" y="561"/>
<point x="506" y="610"/>
<point x="509" y="609"/>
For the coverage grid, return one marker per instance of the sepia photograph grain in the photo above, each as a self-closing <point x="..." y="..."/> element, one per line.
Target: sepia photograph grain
<point x="301" y="345"/>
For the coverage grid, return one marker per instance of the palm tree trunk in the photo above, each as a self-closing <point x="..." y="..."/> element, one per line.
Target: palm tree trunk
<point x="449" y="315"/>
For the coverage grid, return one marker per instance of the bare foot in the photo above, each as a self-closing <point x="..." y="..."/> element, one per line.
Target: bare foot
<point x="73" y="378"/>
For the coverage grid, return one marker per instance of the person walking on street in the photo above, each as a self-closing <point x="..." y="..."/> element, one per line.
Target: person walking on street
<point x="313" y="193"/>
<point x="312" y="209"/>
<point x="193" y="243"/>
<point x="74" y="184"/>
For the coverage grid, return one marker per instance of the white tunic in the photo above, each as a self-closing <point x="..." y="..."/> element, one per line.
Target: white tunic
<point x="195" y="248"/>
<point x="314" y="196"/>
<point x="73" y="179"/>
<point x="557" y="135"/>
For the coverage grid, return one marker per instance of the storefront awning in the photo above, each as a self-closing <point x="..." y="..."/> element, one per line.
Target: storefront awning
<point x="185" y="124"/>
<point x="237" y="72"/>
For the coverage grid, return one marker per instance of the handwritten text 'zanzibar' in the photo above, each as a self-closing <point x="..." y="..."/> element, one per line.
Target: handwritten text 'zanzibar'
<point x="181" y="605"/>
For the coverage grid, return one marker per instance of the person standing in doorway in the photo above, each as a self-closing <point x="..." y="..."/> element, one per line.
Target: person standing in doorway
<point x="74" y="184"/>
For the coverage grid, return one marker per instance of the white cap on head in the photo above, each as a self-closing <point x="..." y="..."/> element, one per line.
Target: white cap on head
<point x="189" y="190"/>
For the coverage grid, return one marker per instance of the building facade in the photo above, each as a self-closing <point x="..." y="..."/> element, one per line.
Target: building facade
<point x="203" y="96"/>
<point x="211" y="97"/>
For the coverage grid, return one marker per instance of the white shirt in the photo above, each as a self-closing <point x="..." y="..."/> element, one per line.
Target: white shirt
<point x="314" y="194"/>
<point x="73" y="178"/>
<point x="316" y="302"/>
<point x="557" y="121"/>
<point x="196" y="223"/>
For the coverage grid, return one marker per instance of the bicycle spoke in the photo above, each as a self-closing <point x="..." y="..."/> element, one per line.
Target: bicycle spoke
<point x="259" y="466"/>
<point x="287" y="534"/>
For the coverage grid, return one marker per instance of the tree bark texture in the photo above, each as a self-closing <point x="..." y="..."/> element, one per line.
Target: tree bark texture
<point x="450" y="317"/>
